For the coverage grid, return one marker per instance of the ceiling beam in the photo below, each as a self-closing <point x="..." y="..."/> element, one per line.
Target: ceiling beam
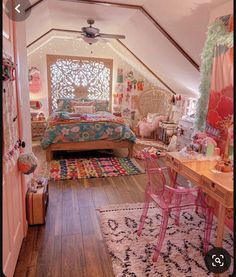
<point x="74" y="31"/>
<point x="144" y="12"/>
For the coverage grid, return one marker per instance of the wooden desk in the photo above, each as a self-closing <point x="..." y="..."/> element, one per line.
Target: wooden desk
<point x="218" y="186"/>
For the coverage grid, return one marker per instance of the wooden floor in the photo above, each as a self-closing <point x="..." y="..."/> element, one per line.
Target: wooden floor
<point x="71" y="243"/>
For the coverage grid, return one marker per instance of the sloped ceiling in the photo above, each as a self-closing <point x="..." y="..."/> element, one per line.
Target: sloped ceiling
<point x="185" y="21"/>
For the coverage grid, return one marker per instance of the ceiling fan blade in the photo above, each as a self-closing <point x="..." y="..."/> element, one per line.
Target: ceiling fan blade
<point x="111" y="36"/>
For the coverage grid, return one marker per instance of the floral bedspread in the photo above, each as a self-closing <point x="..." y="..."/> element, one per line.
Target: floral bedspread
<point x="61" y="127"/>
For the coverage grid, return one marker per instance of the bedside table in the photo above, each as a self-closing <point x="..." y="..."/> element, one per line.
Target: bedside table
<point x="38" y="128"/>
<point x="166" y="130"/>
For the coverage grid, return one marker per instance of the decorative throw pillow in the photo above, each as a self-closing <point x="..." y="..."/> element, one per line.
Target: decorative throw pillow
<point x="101" y="105"/>
<point x="156" y="121"/>
<point x="78" y="103"/>
<point x="63" y="104"/>
<point x="151" y="117"/>
<point x="84" y="109"/>
<point x="60" y="115"/>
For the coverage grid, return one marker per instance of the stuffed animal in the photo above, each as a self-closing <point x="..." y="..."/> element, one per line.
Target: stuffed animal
<point x="145" y="128"/>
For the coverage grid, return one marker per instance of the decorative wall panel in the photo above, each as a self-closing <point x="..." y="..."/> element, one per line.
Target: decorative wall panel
<point x="72" y="77"/>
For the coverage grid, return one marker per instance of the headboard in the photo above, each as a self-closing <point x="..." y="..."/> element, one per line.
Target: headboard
<point x="154" y="101"/>
<point x="78" y="77"/>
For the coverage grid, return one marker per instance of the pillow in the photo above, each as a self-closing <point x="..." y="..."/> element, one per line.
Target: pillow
<point x="151" y="117"/>
<point x="63" y="104"/>
<point x="101" y="105"/>
<point x="84" y="109"/>
<point x="78" y="103"/>
<point x="158" y="119"/>
<point x="60" y="115"/>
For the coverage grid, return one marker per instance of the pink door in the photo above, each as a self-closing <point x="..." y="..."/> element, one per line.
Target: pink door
<point x="13" y="200"/>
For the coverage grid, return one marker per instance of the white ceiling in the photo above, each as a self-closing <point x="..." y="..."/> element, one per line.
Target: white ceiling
<point x="185" y="20"/>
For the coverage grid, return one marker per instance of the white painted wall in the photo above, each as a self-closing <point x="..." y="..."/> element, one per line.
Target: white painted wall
<point x="69" y="47"/>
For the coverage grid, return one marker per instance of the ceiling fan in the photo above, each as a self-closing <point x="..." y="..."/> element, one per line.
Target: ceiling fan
<point x="91" y="34"/>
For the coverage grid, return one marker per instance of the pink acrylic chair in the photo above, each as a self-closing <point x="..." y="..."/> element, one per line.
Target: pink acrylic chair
<point x="163" y="189"/>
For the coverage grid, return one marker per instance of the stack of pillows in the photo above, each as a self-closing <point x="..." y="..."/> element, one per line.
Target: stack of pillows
<point x="149" y="124"/>
<point x="82" y="105"/>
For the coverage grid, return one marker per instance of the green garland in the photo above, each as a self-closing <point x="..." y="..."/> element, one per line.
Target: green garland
<point x="217" y="34"/>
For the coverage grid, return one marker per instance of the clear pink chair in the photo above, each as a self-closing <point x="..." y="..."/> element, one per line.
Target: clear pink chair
<point x="168" y="195"/>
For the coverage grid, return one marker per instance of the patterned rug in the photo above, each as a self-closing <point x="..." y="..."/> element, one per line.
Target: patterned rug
<point x="70" y="169"/>
<point x="181" y="254"/>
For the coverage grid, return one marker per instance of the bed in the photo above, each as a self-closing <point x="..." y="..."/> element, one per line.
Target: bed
<point x="67" y="131"/>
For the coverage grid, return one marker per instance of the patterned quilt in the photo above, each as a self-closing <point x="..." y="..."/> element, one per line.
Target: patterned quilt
<point x="62" y="127"/>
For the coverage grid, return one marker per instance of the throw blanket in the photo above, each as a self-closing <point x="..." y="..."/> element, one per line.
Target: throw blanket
<point x="61" y="127"/>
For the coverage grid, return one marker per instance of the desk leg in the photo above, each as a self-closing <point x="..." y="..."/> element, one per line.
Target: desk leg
<point x="175" y="175"/>
<point x="221" y="225"/>
<point x="220" y="229"/>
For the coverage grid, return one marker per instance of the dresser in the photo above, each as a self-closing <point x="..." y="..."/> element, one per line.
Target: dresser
<point x="38" y="128"/>
<point x="184" y="133"/>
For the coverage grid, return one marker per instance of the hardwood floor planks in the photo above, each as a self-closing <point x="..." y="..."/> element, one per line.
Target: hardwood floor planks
<point x="72" y="257"/>
<point x="71" y="242"/>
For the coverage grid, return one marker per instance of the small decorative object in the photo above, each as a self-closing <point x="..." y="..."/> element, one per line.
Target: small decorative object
<point x="208" y="146"/>
<point x="27" y="163"/>
<point x="8" y="69"/>
<point x="41" y="116"/>
<point x="120" y="77"/>
<point x="119" y="88"/>
<point x="34" y="80"/>
<point x="126" y="112"/>
<point x="127" y="97"/>
<point x="129" y="86"/>
<point x="36" y="105"/>
<point x="130" y="75"/>
<point x="140" y="85"/>
<point x="224" y="166"/>
<point x="134" y="82"/>
<point x="34" y="116"/>
<point x="172" y="145"/>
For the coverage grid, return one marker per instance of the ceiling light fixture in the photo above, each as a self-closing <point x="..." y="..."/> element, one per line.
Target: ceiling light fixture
<point x="89" y="40"/>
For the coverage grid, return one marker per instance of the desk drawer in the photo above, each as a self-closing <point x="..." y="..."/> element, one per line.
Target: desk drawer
<point x="191" y="175"/>
<point x="173" y="163"/>
<point x="217" y="192"/>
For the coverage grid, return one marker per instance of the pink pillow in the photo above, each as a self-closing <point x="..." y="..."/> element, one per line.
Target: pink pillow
<point x="84" y="109"/>
<point x="157" y="120"/>
<point x="77" y="102"/>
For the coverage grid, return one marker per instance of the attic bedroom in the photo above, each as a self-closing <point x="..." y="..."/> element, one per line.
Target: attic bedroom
<point x="117" y="138"/>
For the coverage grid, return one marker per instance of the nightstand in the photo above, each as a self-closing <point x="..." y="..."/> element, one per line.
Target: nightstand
<point x="38" y="128"/>
<point x="166" y="130"/>
<point x="185" y="133"/>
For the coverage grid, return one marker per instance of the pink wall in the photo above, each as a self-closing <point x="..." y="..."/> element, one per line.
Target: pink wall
<point x="224" y="9"/>
<point x="23" y="102"/>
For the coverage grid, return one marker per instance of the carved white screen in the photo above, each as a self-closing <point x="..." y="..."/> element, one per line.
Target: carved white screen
<point x="72" y="77"/>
